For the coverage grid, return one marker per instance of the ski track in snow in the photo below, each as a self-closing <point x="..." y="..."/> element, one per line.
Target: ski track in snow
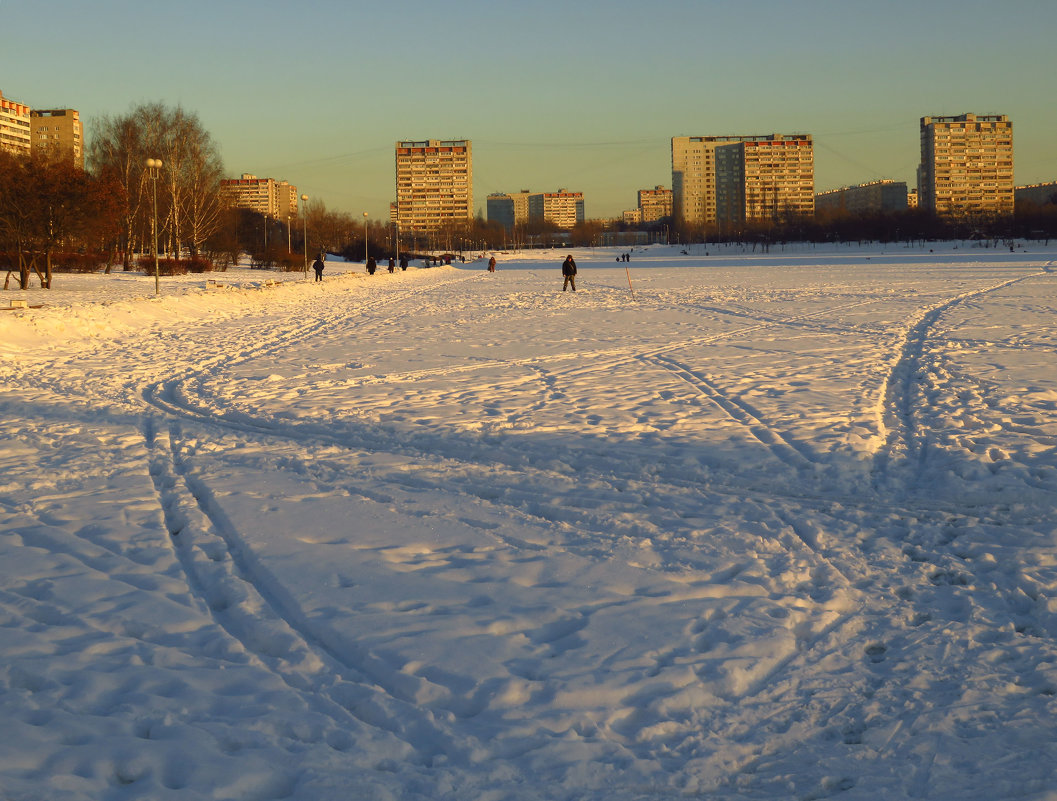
<point x="825" y="544"/>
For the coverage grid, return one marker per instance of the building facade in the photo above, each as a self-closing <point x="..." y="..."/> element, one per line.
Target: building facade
<point x="15" y="126"/>
<point x="876" y="196"/>
<point x="966" y="165"/>
<point x="654" y="204"/>
<point x="434" y="184"/>
<point x="276" y="199"/>
<point x="286" y="200"/>
<point x="732" y="180"/>
<point x="509" y="209"/>
<point x="1036" y="194"/>
<point x="564" y="209"/>
<point x="58" y="131"/>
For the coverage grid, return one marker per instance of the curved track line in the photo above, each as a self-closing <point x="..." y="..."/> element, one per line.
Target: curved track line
<point x="894" y="410"/>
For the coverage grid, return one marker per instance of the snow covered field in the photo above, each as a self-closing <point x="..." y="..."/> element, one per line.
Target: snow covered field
<point x="775" y="526"/>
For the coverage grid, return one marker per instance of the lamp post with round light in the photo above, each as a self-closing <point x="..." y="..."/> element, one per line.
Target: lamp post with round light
<point x="304" y="214"/>
<point x="153" y="166"/>
<point x="365" y="237"/>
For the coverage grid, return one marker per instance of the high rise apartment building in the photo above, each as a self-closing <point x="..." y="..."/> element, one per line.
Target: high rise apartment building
<point x="26" y="130"/>
<point x="434" y="184"/>
<point x="730" y="180"/>
<point x="58" y="131"/>
<point x="509" y="209"/>
<point x="564" y="209"/>
<point x="654" y="204"/>
<point x="15" y="126"/>
<point x="966" y="165"/>
<point x="276" y="199"/>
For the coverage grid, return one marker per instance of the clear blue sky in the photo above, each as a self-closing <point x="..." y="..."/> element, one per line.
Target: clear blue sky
<point x="579" y="94"/>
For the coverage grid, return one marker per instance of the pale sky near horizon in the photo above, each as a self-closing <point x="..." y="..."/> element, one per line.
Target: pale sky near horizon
<point x="583" y="95"/>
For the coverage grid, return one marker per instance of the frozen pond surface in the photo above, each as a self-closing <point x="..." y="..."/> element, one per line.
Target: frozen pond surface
<point x="774" y="526"/>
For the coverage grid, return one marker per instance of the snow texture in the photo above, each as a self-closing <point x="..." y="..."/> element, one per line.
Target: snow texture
<point x="756" y="526"/>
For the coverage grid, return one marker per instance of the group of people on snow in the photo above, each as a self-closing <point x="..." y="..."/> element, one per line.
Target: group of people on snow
<point x="568" y="267"/>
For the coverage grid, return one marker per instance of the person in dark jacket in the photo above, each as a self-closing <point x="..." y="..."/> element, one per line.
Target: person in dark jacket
<point x="569" y="271"/>
<point x="317" y="265"/>
<point x="491" y="265"/>
<point x="403" y="262"/>
<point x="372" y="265"/>
<point x="392" y="264"/>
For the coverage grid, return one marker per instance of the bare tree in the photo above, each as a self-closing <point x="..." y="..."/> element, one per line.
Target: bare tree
<point x="46" y="203"/>
<point x="189" y="181"/>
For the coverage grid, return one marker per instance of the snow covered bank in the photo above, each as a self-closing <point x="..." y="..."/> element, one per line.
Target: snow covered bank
<point x="773" y="526"/>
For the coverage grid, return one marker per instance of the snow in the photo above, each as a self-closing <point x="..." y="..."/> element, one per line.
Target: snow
<point x="762" y="525"/>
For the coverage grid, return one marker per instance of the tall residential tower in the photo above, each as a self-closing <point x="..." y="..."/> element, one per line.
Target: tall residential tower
<point x="731" y="180"/>
<point x="434" y="184"/>
<point x="966" y="165"/>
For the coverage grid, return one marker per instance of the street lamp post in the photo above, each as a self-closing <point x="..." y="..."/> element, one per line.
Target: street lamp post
<point x="365" y="237"/>
<point x="153" y="165"/>
<point x="304" y="215"/>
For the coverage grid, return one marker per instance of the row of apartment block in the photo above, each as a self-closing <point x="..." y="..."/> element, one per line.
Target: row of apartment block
<point x="562" y="208"/>
<point x="27" y="130"/>
<point x="276" y="199"/>
<point x="654" y="204"/>
<point x="966" y="168"/>
<point x="730" y="180"/>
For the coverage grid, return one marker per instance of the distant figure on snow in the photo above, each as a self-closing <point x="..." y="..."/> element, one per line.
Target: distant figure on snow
<point x="372" y="265"/>
<point x="317" y="265"/>
<point x="569" y="271"/>
<point x="403" y="262"/>
<point x="491" y="265"/>
<point x="392" y="265"/>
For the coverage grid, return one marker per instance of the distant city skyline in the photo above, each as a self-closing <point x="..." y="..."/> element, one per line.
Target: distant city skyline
<point x="584" y="97"/>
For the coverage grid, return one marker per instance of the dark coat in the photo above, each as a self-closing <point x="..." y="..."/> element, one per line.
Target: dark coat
<point x="569" y="266"/>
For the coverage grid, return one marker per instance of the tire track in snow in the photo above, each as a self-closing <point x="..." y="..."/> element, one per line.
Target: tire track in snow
<point x="342" y="680"/>
<point x="900" y="434"/>
<point x="785" y="450"/>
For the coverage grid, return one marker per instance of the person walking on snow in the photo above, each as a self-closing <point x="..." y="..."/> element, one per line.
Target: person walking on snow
<point x="491" y="265"/>
<point x="317" y="265"/>
<point x="569" y="271"/>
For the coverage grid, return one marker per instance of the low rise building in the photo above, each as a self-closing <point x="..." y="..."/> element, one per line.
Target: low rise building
<point x="1036" y="194"/>
<point x="873" y="197"/>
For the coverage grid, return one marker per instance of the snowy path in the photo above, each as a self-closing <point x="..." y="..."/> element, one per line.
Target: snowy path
<point x="771" y="529"/>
